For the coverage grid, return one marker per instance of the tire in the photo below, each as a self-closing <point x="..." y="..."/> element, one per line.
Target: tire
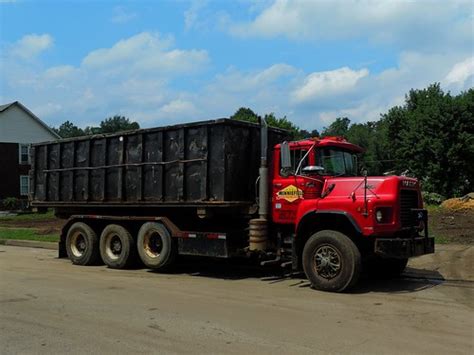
<point x="331" y="261"/>
<point x="386" y="268"/>
<point x="82" y="244"/>
<point x="155" y="246"/>
<point x="117" y="247"/>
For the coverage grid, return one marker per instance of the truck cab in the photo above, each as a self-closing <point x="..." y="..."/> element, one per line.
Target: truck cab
<point x="337" y="216"/>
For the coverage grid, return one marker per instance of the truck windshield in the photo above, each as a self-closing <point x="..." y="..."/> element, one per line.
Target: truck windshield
<point x="337" y="162"/>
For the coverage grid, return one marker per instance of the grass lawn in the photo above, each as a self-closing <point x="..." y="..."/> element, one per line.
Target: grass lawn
<point x="30" y="217"/>
<point x="439" y="239"/>
<point x="26" y="234"/>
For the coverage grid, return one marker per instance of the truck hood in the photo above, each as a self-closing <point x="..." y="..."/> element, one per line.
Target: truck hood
<point x="381" y="186"/>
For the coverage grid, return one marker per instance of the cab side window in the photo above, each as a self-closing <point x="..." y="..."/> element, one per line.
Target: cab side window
<point x="296" y="155"/>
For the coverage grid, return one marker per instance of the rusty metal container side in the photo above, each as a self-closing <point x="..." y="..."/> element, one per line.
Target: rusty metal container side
<point x="203" y="163"/>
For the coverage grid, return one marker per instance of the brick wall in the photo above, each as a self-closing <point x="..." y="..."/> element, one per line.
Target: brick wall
<point x="10" y="171"/>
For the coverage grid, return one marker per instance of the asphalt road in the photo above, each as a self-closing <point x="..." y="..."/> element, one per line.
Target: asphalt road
<point x="47" y="305"/>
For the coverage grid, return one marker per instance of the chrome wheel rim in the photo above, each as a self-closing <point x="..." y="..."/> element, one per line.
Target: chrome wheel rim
<point x="78" y="244"/>
<point x="153" y="244"/>
<point x="113" y="246"/>
<point x="327" y="262"/>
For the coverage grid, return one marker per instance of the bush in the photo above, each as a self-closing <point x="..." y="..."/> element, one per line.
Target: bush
<point x="432" y="198"/>
<point x="10" y="203"/>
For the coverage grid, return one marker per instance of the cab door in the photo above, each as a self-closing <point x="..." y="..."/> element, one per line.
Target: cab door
<point x="288" y="191"/>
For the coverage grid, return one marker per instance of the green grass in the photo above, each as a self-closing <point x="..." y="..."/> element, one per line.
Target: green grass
<point x="26" y="234"/>
<point x="30" y="217"/>
<point x="433" y="208"/>
<point x="439" y="239"/>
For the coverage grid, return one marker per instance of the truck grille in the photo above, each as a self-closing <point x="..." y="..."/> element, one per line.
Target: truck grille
<point x="408" y="200"/>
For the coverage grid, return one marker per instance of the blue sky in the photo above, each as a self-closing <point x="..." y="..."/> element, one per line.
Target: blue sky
<point x="164" y="62"/>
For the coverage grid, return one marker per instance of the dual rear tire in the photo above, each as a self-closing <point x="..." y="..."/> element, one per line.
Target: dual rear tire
<point x="118" y="249"/>
<point x="155" y="246"/>
<point x="82" y="244"/>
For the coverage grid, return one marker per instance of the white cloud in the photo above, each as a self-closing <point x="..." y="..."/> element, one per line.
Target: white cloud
<point x="192" y="15"/>
<point x="410" y="24"/>
<point x="121" y="15"/>
<point x="234" y="80"/>
<point x="328" y="83"/>
<point x="47" y="109"/>
<point x="148" y="78"/>
<point x="368" y="109"/>
<point x="179" y="107"/>
<point x="461" y="72"/>
<point x="379" y="92"/>
<point x="31" y="45"/>
<point x="62" y="71"/>
<point x="136" y="75"/>
<point x="144" y="54"/>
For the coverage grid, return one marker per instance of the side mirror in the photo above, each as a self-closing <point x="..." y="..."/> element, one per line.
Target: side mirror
<point x="285" y="156"/>
<point x="285" y="160"/>
<point x="312" y="169"/>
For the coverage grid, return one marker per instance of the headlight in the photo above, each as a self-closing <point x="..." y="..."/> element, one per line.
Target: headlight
<point x="384" y="215"/>
<point x="379" y="216"/>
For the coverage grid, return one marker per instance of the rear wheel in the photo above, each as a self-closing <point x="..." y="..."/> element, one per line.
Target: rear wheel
<point x="331" y="261"/>
<point x="156" y="246"/>
<point x="82" y="244"/>
<point x="117" y="247"/>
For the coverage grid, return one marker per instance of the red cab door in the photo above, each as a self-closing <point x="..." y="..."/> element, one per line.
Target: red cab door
<point x="288" y="191"/>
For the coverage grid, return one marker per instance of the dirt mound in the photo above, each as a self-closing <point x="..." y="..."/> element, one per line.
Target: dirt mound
<point x="465" y="203"/>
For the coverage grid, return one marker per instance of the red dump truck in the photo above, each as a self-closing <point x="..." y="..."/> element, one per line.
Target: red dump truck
<point x="224" y="189"/>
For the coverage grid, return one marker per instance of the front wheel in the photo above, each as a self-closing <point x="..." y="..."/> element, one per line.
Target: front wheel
<point x="331" y="261"/>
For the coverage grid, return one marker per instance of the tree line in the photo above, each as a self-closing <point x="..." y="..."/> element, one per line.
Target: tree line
<point x="109" y="125"/>
<point x="430" y="136"/>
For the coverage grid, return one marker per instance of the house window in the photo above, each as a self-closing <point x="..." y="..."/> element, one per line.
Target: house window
<point x="24" y="150"/>
<point x="24" y="185"/>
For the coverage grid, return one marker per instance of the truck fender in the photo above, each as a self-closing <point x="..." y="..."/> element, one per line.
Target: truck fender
<point x="317" y="214"/>
<point x="316" y="220"/>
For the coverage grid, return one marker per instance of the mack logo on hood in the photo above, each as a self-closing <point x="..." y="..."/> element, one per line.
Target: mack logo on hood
<point x="408" y="183"/>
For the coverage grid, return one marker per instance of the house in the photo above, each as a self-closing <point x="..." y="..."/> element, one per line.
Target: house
<point x="19" y="128"/>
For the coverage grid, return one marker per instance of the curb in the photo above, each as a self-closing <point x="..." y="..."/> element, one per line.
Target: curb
<point x="29" y="244"/>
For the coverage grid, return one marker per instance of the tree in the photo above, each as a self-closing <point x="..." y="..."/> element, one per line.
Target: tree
<point x="109" y="125"/>
<point x="246" y="114"/>
<point x="68" y="130"/>
<point x="306" y="134"/>
<point x="117" y="124"/>
<point x="338" y="128"/>
<point x="432" y="135"/>
<point x="283" y="123"/>
<point x="90" y="130"/>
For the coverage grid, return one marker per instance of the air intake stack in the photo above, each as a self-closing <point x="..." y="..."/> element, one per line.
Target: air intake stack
<point x="258" y="226"/>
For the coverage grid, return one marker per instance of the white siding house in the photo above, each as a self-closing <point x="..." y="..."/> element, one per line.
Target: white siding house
<point x="20" y="125"/>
